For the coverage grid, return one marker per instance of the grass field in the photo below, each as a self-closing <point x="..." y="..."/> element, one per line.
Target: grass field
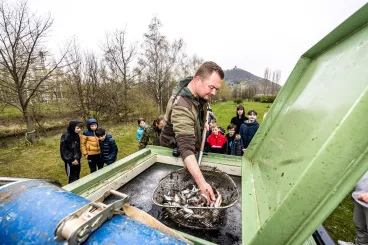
<point x="42" y="160"/>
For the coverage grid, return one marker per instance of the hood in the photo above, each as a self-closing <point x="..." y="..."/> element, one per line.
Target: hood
<point x="248" y="123"/>
<point x="182" y="90"/>
<point x="71" y="126"/>
<point x="108" y="137"/>
<point x="89" y="122"/>
<point x="180" y="86"/>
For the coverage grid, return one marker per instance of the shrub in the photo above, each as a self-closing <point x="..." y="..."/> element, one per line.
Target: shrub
<point x="238" y="100"/>
<point x="264" y="98"/>
<point x="257" y="98"/>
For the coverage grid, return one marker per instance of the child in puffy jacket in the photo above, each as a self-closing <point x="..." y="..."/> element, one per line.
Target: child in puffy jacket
<point x="90" y="146"/>
<point x="216" y="141"/>
<point x="108" y="148"/>
<point x="249" y="128"/>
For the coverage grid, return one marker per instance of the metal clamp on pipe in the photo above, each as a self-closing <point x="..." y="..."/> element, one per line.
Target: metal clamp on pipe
<point x="77" y="226"/>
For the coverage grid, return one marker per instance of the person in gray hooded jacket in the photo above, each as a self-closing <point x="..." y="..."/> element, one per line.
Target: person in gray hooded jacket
<point x="360" y="217"/>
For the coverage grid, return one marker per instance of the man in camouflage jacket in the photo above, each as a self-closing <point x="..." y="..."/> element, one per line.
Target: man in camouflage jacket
<point x="150" y="136"/>
<point x="185" y="118"/>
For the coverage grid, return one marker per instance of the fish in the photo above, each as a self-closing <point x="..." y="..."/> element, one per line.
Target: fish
<point x="177" y="198"/>
<point x="176" y="204"/>
<point x="190" y="196"/>
<point x="205" y="198"/>
<point x="187" y="210"/>
<point x="168" y="198"/>
<point x="194" y="200"/>
<point x="218" y="200"/>
<point x="197" y="216"/>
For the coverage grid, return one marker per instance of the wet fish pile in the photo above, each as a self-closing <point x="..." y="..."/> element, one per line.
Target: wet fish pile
<point x="188" y="198"/>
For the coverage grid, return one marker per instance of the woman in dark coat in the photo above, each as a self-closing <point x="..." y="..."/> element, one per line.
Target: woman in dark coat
<point x="239" y="119"/>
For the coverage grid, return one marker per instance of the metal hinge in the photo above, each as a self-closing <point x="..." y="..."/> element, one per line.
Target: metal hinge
<point x="77" y="226"/>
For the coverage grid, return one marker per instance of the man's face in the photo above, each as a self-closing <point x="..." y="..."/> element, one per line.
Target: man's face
<point x="93" y="126"/>
<point x="102" y="138"/>
<point x="77" y="129"/>
<point x="142" y="124"/>
<point x="252" y="116"/>
<point x="231" y="132"/>
<point x="215" y="130"/>
<point x="161" y="124"/>
<point x="207" y="87"/>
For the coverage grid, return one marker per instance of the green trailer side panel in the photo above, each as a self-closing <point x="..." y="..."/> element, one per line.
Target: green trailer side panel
<point x="312" y="147"/>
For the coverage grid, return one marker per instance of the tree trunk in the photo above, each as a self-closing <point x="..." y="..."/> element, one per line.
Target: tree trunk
<point x="30" y="135"/>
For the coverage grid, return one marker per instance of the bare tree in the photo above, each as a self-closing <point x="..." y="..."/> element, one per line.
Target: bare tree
<point x="120" y="60"/>
<point x="277" y="81"/>
<point x="266" y="81"/>
<point x="189" y="65"/>
<point x="160" y="60"/>
<point x="25" y="63"/>
<point x="74" y="78"/>
<point x="84" y="79"/>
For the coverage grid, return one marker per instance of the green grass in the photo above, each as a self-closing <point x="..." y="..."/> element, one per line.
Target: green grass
<point x="42" y="160"/>
<point x="340" y="223"/>
<point x="227" y="110"/>
<point x="51" y="107"/>
<point x="50" y="115"/>
<point x="9" y="111"/>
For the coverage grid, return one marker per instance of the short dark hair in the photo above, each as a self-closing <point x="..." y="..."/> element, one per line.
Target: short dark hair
<point x="141" y="119"/>
<point x="158" y="120"/>
<point x="79" y="125"/>
<point x="252" y="111"/>
<point x="207" y="68"/>
<point x="231" y="126"/>
<point x="100" y="132"/>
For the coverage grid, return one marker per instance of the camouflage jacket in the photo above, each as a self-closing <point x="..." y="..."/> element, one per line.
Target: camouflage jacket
<point x="150" y="136"/>
<point x="184" y="120"/>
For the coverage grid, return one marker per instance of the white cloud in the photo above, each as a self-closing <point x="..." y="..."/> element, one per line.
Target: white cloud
<point x="248" y="34"/>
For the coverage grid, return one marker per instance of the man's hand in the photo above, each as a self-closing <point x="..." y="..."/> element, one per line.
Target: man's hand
<point x="363" y="197"/>
<point x="237" y="136"/>
<point x="207" y="126"/>
<point x="75" y="162"/>
<point x="192" y="165"/>
<point x="244" y="150"/>
<point x="207" y="190"/>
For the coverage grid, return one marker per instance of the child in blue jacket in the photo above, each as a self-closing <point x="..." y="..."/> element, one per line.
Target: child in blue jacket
<point x="249" y="128"/>
<point x="141" y="126"/>
<point x="108" y="148"/>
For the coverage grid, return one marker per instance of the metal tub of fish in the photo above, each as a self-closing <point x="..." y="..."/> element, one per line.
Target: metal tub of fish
<point x="178" y="194"/>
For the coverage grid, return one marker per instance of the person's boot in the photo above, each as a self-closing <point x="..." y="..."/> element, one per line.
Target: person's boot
<point x="344" y="243"/>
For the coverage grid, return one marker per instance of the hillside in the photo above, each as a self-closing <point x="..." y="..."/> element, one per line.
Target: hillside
<point x="237" y="75"/>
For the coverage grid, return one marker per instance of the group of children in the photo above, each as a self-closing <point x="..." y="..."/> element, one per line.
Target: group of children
<point x="99" y="148"/>
<point x="94" y="144"/>
<point x="240" y="133"/>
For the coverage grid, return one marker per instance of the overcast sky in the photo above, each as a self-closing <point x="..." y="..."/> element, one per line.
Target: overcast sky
<point x="249" y="34"/>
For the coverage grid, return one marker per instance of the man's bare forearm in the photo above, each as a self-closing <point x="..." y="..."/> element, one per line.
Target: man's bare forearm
<point x="192" y="166"/>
